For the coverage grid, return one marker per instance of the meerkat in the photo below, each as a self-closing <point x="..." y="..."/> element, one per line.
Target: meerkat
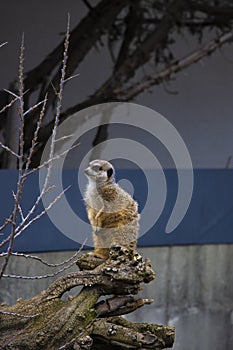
<point x="112" y="212"/>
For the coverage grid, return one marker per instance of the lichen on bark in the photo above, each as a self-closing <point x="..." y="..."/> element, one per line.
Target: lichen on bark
<point x="83" y="322"/>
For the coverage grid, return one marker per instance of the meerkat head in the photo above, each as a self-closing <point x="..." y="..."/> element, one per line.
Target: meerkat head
<point x="100" y="171"/>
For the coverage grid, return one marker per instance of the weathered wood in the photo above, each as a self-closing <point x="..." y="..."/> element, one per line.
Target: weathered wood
<point x="82" y="322"/>
<point x="125" y="334"/>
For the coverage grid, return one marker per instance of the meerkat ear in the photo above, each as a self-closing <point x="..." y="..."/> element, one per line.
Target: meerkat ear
<point x="109" y="172"/>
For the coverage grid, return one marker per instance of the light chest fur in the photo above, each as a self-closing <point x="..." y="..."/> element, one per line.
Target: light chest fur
<point x="113" y="214"/>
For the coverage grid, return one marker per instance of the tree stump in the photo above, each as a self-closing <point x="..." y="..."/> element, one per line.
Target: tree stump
<point x="82" y="322"/>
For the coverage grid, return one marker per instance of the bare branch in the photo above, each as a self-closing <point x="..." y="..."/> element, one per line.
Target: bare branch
<point x="3" y="44"/>
<point x="49" y="161"/>
<point x="35" y="257"/>
<point x="16" y="98"/>
<point x="128" y="67"/>
<point x="71" y="77"/>
<point x="19" y="206"/>
<point x="59" y="106"/>
<point x="13" y="94"/>
<point x="86" y="2"/>
<point x="54" y="89"/>
<point x="8" y="105"/>
<point x="34" y="107"/>
<point x="25" y="223"/>
<point x="98" y="25"/>
<point x="28" y="220"/>
<point x="63" y="138"/>
<point x="7" y="222"/>
<point x="21" y="108"/>
<point x="64" y="268"/>
<point x="132" y="22"/>
<point x="35" y="136"/>
<point x="9" y="150"/>
<point x="21" y="153"/>
<point x="49" y="275"/>
<point x="156" y="78"/>
<point x="142" y="53"/>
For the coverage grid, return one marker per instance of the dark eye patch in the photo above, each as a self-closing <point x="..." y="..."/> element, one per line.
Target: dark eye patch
<point x="109" y="172"/>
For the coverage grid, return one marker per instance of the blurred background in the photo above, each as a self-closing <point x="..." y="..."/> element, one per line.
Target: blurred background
<point x="175" y="57"/>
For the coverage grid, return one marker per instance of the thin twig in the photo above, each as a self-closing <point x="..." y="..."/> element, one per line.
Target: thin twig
<point x="35" y="136"/>
<point x="54" y="89"/>
<point x="15" y="95"/>
<point x="21" y="108"/>
<point x="64" y="268"/>
<point x="43" y="212"/>
<point x="3" y="44"/>
<point x="34" y="107"/>
<point x="28" y="220"/>
<point x="44" y="262"/>
<point x="9" y="150"/>
<point x="12" y="101"/>
<point x="21" y="277"/>
<point x="58" y="112"/>
<point x="12" y="93"/>
<point x="18" y="315"/>
<point x="18" y="229"/>
<point x="8" y="105"/>
<point x="23" y="225"/>
<point x="19" y="206"/>
<point x="63" y="138"/>
<point x="7" y="222"/>
<point x="6" y="240"/>
<point x="61" y="88"/>
<point x="48" y="162"/>
<point x="86" y="2"/>
<point x="21" y="180"/>
<point x="71" y="77"/>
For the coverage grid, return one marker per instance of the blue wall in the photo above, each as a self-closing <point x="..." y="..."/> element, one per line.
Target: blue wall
<point x="209" y="218"/>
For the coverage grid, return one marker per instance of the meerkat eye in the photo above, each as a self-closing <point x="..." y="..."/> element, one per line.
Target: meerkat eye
<point x="97" y="168"/>
<point x="109" y="172"/>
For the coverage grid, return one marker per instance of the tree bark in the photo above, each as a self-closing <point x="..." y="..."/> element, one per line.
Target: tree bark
<point x="81" y="322"/>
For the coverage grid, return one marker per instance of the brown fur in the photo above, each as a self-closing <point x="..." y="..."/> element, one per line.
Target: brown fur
<point x="113" y="214"/>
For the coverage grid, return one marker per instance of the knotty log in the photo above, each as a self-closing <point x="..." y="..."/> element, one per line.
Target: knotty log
<point x="81" y="322"/>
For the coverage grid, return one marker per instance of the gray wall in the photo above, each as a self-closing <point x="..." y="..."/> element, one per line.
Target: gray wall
<point x="198" y="102"/>
<point x="193" y="291"/>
